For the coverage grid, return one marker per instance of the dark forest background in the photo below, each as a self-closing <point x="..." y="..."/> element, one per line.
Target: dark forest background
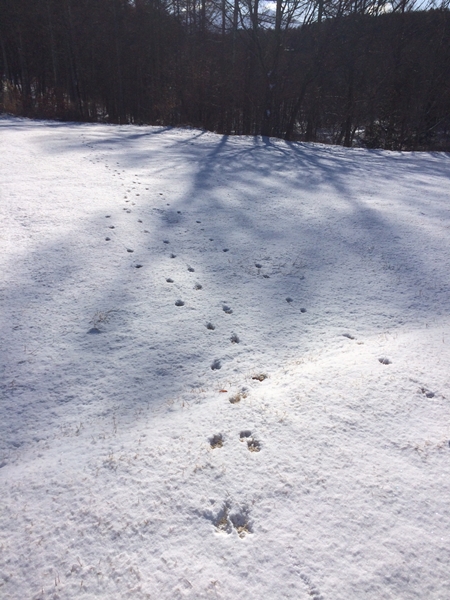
<point x="348" y="72"/>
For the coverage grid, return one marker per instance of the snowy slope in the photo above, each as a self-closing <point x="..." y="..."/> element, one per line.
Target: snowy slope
<point x="224" y="367"/>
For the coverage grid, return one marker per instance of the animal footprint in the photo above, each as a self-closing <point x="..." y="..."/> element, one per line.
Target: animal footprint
<point x="237" y="519"/>
<point x="222" y="521"/>
<point x="385" y="361"/>
<point x="197" y="286"/>
<point x="210" y="326"/>
<point x="252" y="444"/>
<point x="226" y="309"/>
<point x="349" y="336"/>
<point x="191" y="270"/>
<point x="216" y="441"/>
<point x="240" y="522"/>
<point x="173" y="256"/>
<point x="235" y="339"/>
<point x="260" y="377"/>
<point x="179" y="303"/>
<point x="245" y="434"/>
<point x="236" y="399"/>
<point x="427" y="393"/>
<point x="289" y="299"/>
<point x="169" y="280"/>
<point x="216" y="364"/>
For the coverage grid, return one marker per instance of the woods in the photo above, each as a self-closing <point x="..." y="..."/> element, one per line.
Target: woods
<point x="357" y="72"/>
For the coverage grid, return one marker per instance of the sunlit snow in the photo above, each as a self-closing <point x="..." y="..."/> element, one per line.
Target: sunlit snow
<point x="225" y="367"/>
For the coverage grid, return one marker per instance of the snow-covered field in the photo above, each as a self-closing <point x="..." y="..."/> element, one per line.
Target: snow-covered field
<point x="225" y="367"/>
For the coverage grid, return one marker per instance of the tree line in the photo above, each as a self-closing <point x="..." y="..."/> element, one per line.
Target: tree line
<point x="365" y="72"/>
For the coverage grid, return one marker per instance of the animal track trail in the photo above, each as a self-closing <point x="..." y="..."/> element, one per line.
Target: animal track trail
<point x="312" y="590"/>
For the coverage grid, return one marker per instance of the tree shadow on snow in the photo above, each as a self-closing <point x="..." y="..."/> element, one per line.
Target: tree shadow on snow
<point x="266" y="227"/>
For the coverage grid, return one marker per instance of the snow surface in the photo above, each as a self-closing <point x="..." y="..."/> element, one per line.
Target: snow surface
<point x="143" y="453"/>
